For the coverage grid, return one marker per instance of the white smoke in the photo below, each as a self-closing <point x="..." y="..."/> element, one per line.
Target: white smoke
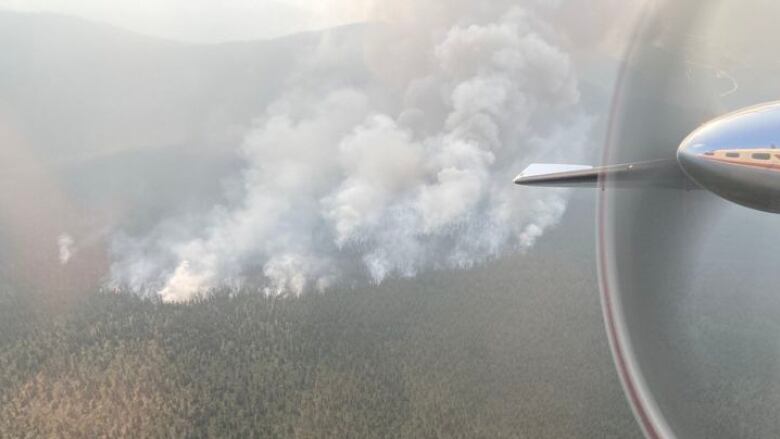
<point x="335" y="184"/>
<point x="66" y="246"/>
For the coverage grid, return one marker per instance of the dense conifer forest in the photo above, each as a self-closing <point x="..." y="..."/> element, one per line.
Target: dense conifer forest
<point x="432" y="357"/>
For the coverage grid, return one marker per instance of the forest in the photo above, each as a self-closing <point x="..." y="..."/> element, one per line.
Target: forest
<point x="435" y="357"/>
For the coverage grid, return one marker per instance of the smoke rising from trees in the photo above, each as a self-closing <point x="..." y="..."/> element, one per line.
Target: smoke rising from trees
<point x="340" y="180"/>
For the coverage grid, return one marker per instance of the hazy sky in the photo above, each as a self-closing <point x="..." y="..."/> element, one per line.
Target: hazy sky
<point x="205" y="20"/>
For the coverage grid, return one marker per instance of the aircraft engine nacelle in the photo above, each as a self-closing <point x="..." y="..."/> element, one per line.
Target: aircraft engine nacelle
<point x="737" y="157"/>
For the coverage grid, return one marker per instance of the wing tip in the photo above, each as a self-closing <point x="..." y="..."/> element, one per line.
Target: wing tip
<point x="541" y="172"/>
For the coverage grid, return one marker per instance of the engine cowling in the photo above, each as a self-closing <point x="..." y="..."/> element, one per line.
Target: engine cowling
<point x="737" y="157"/>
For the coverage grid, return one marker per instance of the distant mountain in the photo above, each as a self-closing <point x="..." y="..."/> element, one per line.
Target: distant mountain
<point x="78" y="89"/>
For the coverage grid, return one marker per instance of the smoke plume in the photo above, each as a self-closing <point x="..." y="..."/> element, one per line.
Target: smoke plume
<point x="338" y="184"/>
<point x="65" y="244"/>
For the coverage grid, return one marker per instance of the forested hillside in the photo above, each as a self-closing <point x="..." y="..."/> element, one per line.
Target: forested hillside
<point x="441" y="356"/>
<point x="79" y="89"/>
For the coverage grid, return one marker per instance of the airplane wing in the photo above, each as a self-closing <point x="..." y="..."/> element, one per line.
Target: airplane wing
<point x="661" y="173"/>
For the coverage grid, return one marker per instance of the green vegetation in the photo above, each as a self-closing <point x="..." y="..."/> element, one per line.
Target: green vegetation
<point x="440" y="356"/>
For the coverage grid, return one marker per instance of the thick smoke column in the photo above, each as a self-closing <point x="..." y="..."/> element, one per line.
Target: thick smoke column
<point x="335" y="184"/>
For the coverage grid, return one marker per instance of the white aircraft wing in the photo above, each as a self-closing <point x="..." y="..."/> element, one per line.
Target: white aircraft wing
<point x="662" y="173"/>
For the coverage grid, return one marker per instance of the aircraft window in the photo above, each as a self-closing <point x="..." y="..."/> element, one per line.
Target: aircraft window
<point x="762" y="156"/>
<point x="734" y="155"/>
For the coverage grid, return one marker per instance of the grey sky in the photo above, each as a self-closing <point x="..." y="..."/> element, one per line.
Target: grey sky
<point x="205" y="20"/>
